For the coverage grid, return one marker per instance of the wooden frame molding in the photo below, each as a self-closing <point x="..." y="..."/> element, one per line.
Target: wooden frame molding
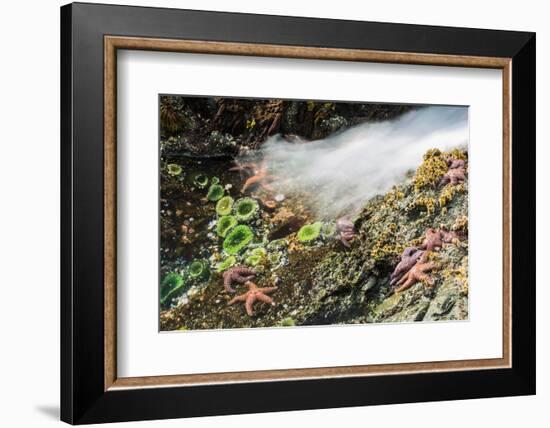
<point x="113" y="43"/>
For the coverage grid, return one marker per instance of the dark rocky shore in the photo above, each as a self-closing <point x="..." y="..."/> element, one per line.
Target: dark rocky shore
<point x="319" y="280"/>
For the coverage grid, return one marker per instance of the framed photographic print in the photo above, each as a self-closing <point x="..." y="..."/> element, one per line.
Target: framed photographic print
<point x="273" y="213"/>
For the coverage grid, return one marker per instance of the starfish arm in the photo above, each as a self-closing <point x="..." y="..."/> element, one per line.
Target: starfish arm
<point x="403" y="279"/>
<point x="433" y="244"/>
<point x="227" y="282"/>
<point x="267" y="289"/>
<point x="242" y="277"/>
<point x="249" y="182"/>
<point x="249" y="304"/>
<point x="428" y="267"/>
<point x="349" y="233"/>
<point x="407" y="284"/>
<point x="423" y="257"/>
<point x="394" y="280"/>
<point x="240" y="298"/>
<point x="420" y="276"/>
<point x="263" y="298"/>
<point x="244" y="166"/>
<point x="398" y="274"/>
<point x="344" y="241"/>
<point x="267" y="187"/>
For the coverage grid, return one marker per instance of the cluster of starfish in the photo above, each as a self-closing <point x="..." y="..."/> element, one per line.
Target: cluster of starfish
<point x="345" y="230"/>
<point x="244" y="275"/>
<point x="255" y="173"/>
<point x="456" y="173"/>
<point x="414" y="264"/>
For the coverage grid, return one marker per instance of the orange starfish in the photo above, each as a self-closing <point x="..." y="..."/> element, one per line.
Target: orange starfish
<point x="260" y="177"/>
<point x="254" y="293"/>
<point x="257" y="175"/>
<point x="416" y="274"/>
<point x="435" y="238"/>
<point x="239" y="274"/>
<point x="454" y="176"/>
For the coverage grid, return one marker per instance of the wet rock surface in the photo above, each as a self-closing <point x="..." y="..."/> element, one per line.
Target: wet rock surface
<point x="319" y="281"/>
<point x="195" y="126"/>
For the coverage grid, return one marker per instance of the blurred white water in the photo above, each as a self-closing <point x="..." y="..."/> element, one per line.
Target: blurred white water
<point x="345" y="170"/>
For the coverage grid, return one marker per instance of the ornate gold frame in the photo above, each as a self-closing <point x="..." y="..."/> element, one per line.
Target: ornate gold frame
<point x="113" y="43"/>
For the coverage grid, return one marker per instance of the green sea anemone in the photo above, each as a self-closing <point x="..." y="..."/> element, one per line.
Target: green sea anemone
<point x="237" y="239"/>
<point x="277" y="244"/>
<point x="256" y="256"/>
<point x="287" y="322"/>
<point x="170" y="286"/>
<point x="309" y="232"/>
<point x="198" y="269"/>
<point x="174" y="169"/>
<point x="200" y="181"/>
<point x="274" y="258"/>
<point x="246" y="209"/>
<point x="225" y="224"/>
<point x="328" y="230"/>
<point x="224" y="205"/>
<point x="226" y="264"/>
<point x="215" y="192"/>
<point x="214" y="180"/>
